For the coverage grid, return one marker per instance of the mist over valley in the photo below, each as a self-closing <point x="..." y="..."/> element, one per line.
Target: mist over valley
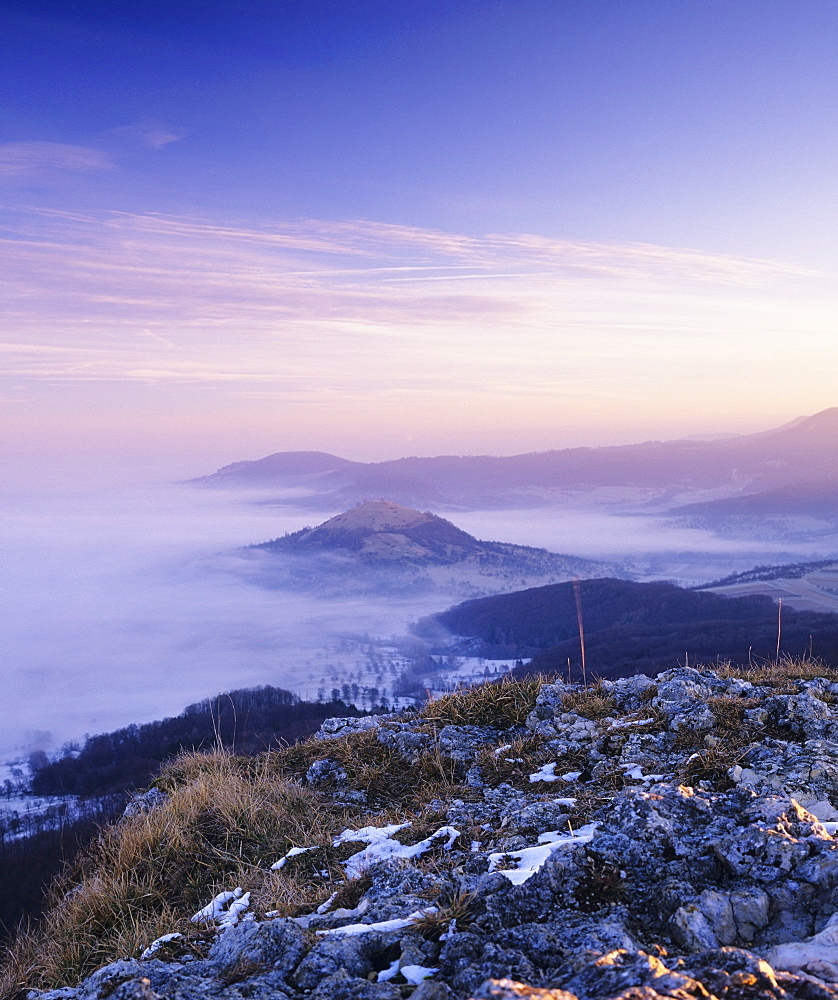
<point x="125" y="604"/>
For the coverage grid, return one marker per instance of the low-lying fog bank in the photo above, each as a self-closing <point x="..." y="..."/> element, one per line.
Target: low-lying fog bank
<point x="116" y="615"/>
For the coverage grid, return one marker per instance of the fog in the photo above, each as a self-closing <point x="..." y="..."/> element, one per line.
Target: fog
<point x="114" y="615"/>
<point x="116" y="611"/>
<point x="651" y="546"/>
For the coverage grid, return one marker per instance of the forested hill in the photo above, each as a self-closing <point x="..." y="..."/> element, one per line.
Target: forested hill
<point x="245" y="721"/>
<point x="110" y="765"/>
<point x="633" y="627"/>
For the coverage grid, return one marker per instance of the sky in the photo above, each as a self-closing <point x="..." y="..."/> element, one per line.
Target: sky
<point x="417" y="227"/>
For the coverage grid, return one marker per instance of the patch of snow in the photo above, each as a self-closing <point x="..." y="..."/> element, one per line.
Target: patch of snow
<point x="383" y="926"/>
<point x="415" y="974"/>
<point x="450" y="932"/>
<point x="368" y="834"/>
<point x="547" y="772"/>
<point x="549" y="836"/>
<point x="225" y="909"/>
<point x="499" y="750"/>
<point x="325" y="907"/>
<point x="570" y="776"/>
<point x="624" y="723"/>
<point x="635" y="771"/>
<point x="292" y="853"/>
<point x="156" y="945"/>
<point x="387" y="974"/>
<point x="344" y="912"/>
<point x="529" y="860"/>
<point x="235" y="911"/>
<point x="215" y="907"/>
<point x="384" y="847"/>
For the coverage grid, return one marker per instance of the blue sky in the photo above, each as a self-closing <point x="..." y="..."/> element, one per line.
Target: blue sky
<point x="376" y="227"/>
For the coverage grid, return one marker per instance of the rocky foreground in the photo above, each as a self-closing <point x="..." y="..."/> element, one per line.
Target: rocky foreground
<point x="647" y="838"/>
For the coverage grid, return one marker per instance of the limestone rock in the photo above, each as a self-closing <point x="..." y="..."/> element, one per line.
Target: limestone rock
<point x="673" y="893"/>
<point x="816" y="955"/>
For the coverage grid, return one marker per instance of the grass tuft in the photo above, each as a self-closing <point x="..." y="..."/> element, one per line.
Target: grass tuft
<point x="591" y="702"/>
<point x="780" y="674"/>
<point x="602" y="884"/>
<point x="502" y="703"/>
<point x="710" y="766"/>
<point x="458" y="911"/>
<point x="225" y="822"/>
<point x="372" y="768"/>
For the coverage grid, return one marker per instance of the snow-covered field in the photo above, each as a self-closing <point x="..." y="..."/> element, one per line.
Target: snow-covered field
<point x="24" y="815"/>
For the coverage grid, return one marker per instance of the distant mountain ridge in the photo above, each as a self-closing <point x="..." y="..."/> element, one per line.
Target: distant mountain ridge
<point x="281" y="464"/>
<point x="380" y="544"/>
<point x="805" y="450"/>
<point x="817" y="500"/>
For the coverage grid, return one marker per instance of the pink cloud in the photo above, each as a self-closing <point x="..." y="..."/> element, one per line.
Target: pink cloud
<point x="20" y="159"/>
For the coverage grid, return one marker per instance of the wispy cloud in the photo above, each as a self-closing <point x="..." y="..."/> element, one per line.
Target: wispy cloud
<point x="19" y="159"/>
<point x="426" y="249"/>
<point x="151" y="134"/>
<point x="654" y="261"/>
<point x="347" y="311"/>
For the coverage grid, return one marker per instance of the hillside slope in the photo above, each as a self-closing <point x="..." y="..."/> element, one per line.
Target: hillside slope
<point x="640" y="840"/>
<point x="816" y="500"/>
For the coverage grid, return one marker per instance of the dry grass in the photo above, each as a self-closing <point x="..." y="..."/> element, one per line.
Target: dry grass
<point x="522" y="758"/>
<point x="516" y="763"/>
<point x="711" y="764"/>
<point x="383" y="774"/>
<point x="602" y="884"/>
<point x="781" y="675"/>
<point x="373" y="768"/>
<point x="225" y="823"/>
<point x="731" y="733"/>
<point x="457" y="909"/>
<point x="591" y="702"/>
<point x="502" y="703"/>
<point x="591" y="798"/>
<point x="729" y="714"/>
<point x="226" y="820"/>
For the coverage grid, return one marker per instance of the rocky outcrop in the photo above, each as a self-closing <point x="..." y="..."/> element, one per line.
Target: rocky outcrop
<point x="667" y="838"/>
